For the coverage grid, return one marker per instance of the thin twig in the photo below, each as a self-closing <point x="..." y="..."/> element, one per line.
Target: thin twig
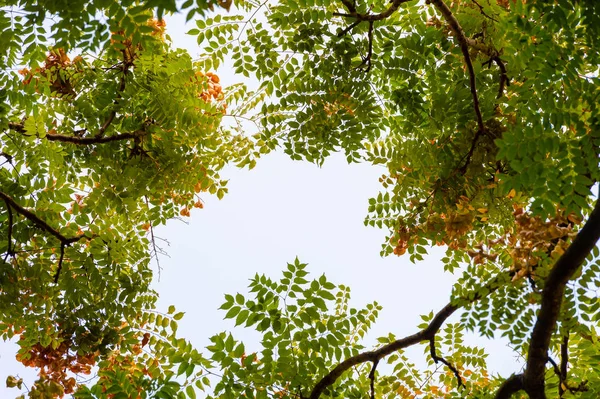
<point x="482" y="11"/>
<point x="552" y="297"/>
<point x="113" y="113"/>
<point x="349" y="28"/>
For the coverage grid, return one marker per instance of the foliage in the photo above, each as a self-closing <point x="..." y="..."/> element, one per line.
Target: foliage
<point x="93" y="158"/>
<point x="484" y="112"/>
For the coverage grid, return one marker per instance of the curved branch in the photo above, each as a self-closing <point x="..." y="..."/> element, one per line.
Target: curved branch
<point x="464" y="47"/>
<point x="552" y="297"/>
<point x="510" y="386"/>
<point x="426" y="334"/>
<point x="20" y="128"/>
<point x="437" y="359"/>
<point x="39" y="222"/>
<point x="376" y="355"/>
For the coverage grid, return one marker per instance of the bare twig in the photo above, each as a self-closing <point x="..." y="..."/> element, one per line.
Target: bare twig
<point x="153" y="239"/>
<point x="440" y="359"/>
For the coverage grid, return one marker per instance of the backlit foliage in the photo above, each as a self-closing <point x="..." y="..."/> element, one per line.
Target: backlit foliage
<point x="484" y="112"/>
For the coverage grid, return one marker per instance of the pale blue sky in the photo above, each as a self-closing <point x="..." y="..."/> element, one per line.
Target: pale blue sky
<point x="273" y="213"/>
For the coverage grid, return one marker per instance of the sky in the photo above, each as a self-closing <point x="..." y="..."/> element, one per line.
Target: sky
<point x="280" y="210"/>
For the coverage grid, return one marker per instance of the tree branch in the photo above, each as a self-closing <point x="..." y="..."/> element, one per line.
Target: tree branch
<point x="113" y="114"/>
<point x="60" y="262"/>
<point x="9" y="250"/>
<point x="510" y="386"/>
<point x="64" y="241"/>
<point x="372" y="378"/>
<point x="482" y="11"/>
<point x="367" y="59"/>
<point x="552" y="296"/>
<point x="39" y="222"/>
<point x="564" y="363"/>
<point x="20" y="128"/>
<point x="464" y="47"/>
<point x="349" y="28"/>
<point x="426" y="334"/>
<point x="352" y="13"/>
<point x="95" y="140"/>
<point x="374" y="356"/>
<point x="437" y="359"/>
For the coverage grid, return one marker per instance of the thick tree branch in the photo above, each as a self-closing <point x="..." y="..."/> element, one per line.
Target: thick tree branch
<point x="20" y="128"/>
<point x="552" y="297"/>
<point x="60" y="262"/>
<point x="510" y="386"/>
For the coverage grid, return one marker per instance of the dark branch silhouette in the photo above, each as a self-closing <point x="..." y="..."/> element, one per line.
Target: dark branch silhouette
<point x="9" y="249"/>
<point x="372" y="378"/>
<point x="20" y="128"/>
<point x="352" y="12"/>
<point x="439" y="359"/>
<point x="552" y="297"/>
<point x="510" y="386"/>
<point x="64" y="241"/>
<point x="124" y="68"/>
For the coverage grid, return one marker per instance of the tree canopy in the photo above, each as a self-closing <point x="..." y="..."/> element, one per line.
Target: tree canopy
<point x="484" y="113"/>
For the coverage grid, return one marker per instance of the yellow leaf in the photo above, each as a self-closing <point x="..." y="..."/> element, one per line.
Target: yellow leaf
<point x="512" y="193"/>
